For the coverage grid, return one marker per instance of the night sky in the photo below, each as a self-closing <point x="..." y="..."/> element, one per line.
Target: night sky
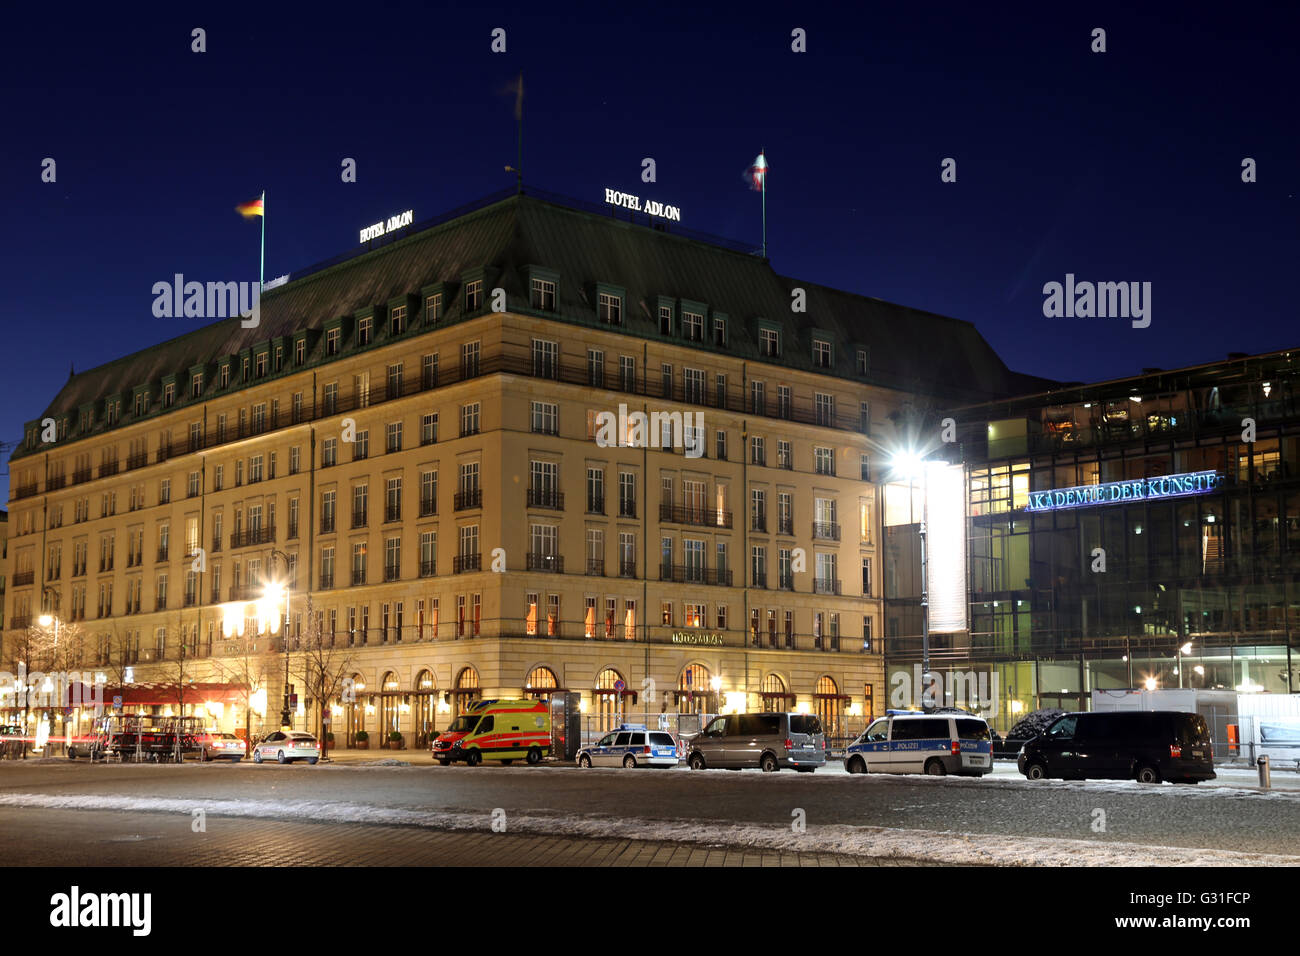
<point x="1119" y="166"/>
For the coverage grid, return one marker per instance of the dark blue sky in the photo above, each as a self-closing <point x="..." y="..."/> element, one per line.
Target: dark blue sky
<point x="1116" y="166"/>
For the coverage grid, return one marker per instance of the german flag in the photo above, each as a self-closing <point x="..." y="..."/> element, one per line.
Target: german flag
<point x="250" y="209"/>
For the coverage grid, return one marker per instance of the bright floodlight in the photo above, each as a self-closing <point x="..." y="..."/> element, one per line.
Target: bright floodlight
<point x="1187" y="648"/>
<point x="45" y="620"/>
<point x="908" y="464"/>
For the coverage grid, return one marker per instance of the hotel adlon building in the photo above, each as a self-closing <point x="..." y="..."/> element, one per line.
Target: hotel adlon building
<point x="416" y="441"/>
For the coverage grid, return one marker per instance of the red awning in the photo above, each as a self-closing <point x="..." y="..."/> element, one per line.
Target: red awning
<point x="162" y="693"/>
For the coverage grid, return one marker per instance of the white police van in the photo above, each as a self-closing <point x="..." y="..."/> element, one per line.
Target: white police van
<point x="913" y="742"/>
<point x="632" y="745"/>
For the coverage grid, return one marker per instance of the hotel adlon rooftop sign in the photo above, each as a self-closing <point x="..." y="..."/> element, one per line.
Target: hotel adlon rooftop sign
<point x="651" y="207"/>
<point x="1114" y="492"/>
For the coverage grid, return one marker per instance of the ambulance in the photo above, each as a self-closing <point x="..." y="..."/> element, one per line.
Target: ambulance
<point x="505" y="730"/>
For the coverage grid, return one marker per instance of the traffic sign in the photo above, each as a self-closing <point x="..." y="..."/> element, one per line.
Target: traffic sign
<point x="620" y="686"/>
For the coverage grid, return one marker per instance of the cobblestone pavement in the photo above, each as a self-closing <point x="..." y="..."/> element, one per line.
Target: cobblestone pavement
<point x="96" y="838"/>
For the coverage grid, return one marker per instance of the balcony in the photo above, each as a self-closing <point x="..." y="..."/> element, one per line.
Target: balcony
<point x="107" y="469"/>
<point x="216" y="542"/>
<point x="469" y="499"/>
<point x="785" y="526"/>
<point x="545" y="498"/>
<point x="826" y="531"/>
<point x="428" y="569"/>
<point x="595" y="504"/>
<point x="627" y="508"/>
<point x="392" y="572"/>
<point x="596" y="567"/>
<point x="160" y="604"/>
<point x="162" y="554"/>
<point x="81" y="476"/>
<point x="358" y="519"/>
<point x="293" y="530"/>
<point x="689" y="574"/>
<point x="191" y="599"/>
<point x="627" y="569"/>
<point x="694" y="515"/>
<point x="428" y="507"/>
<point x="23" y="620"/>
<point x="758" y="523"/>
<point x="463" y="563"/>
<point x="786" y="582"/>
<point x="105" y="565"/>
<point x="138" y="460"/>
<point x="55" y="482"/>
<point x="25" y="491"/>
<point x="327" y="524"/>
<point x="760" y="580"/>
<point x="21" y="578"/>
<point x="826" y="585"/>
<point x="216" y="595"/>
<point x="245" y="539"/>
<point x="326" y="580"/>
<point x="358" y="576"/>
<point x="551" y="563"/>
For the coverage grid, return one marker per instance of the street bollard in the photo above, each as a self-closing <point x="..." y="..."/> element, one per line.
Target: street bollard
<point x="1265" y="776"/>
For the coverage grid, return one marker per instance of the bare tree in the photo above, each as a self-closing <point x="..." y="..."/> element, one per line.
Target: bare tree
<point x="244" y="661"/>
<point x="321" y="666"/>
<point x="44" y="655"/>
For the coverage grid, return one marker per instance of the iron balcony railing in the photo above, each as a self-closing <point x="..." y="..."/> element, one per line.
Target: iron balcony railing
<point x="252" y="536"/>
<point x="826" y="530"/>
<point x="545" y="562"/>
<point x="596" y="567"/>
<point x="690" y="574"/>
<point x="469" y="499"/>
<point x="545" y="498"/>
<point x="826" y="585"/>
<point x="463" y="563"/>
<point x="699" y="516"/>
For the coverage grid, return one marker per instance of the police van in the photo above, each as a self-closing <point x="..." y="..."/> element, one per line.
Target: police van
<point x="632" y="745"/>
<point x="913" y="742"/>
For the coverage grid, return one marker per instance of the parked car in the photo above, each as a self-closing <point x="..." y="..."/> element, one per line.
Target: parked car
<point x="934" y="744"/>
<point x="286" y="746"/>
<point x="218" y="746"/>
<point x="11" y="740"/>
<point x="632" y="745"/>
<point x="768" y="741"/>
<point x="505" y="730"/>
<point x="1148" y="746"/>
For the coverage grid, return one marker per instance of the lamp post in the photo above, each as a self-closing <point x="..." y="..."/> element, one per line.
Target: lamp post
<point x="285" y="719"/>
<point x="1184" y="649"/>
<point x="910" y="463"/>
<point x="48" y="620"/>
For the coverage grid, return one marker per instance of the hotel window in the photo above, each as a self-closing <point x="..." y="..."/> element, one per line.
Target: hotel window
<point x="785" y="575"/>
<point x="693" y="326"/>
<point x="329" y="452"/>
<point x="824" y="404"/>
<point x="393" y="499"/>
<point x="261" y="364"/>
<point x="866" y="577"/>
<point x="365" y="330"/>
<point x="864" y="465"/>
<point x="784" y="513"/>
<point x="626" y="494"/>
<point x="429" y="428"/>
<point x="666" y="378"/>
<point x="394" y="380"/>
<point x="757" y="509"/>
<point x="468" y="541"/>
<point x="432" y="308"/>
<point x="428" y="554"/>
<point x="196" y="386"/>
<point x="469" y="359"/>
<point x="546" y="418"/>
<point x="821" y="353"/>
<point x="665" y="320"/>
<point x="393" y="437"/>
<point x="429" y="370"/>
<point x="769" y="342"/>
<point x="719" y="331"/>
<point x="866" y="636"/>
<point x="295" y="459"/>
<point x="610" y="308"/>
<point x="164" y="491"/>
<point x="397" y="320"/>
<point x="332" y="339"/>
<point x="757" y="398"/>
<point x="469" y="419"/>
<point x="757" y="450"/>
<point x="666" y="613"/>
<point x="758" y="566"/>
<point x="218" y="477"/>
<point x="722" y="617"/>
<point x="169" y="395"/>
<point x="723" y="562"/>
<point x="694" y="615"/>
<point x="720" y="444"/>
<point x="825" y="460"/>
<point x="596" y="368"/>
<point x="392" y="559"/>
<point x="359" y="562"/>
<point x="864" y="417"/>
<point x="361" y="447"/>
<point x="113" y="410"/>
<point x="192" y="490"/>
<point x="626" y="554"/>
<point x="543" y="295"/>
<point x="530" y="613"/>
<point x="330" y="398"/>
<point x="720" y="390"/>
<point x="141" y="403"/>
<point x="254" y="469"/>
<point x="546" y="359"/>
<point x="473" y="295"/>
<point x="428" y="493"/>
<point x="783" y="457"/>
<point x="299" y="351"/>
<point x="627" y="373"/>
<point x="784" y="405"/>
<point x="861" y="364"/>
<point x="693" y="383"/>
<point x="596" y="491"/>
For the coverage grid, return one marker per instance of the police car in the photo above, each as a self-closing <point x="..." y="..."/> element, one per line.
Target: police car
<point x="913" y="742"/>
<point x="632" y="745"/>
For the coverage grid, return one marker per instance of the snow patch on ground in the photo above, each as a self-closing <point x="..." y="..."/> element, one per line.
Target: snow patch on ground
<point x="883" y="843"/>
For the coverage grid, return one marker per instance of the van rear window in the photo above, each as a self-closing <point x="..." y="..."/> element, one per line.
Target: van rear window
<point x="662" y="740"/>
<point x="805" y="724"/>
<point x="972" y="729"/>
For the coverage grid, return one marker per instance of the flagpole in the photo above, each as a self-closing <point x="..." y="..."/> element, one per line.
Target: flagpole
<point x="763" y="153"/>
<point x="519" y="137"/>
<point x="261" y="266"/>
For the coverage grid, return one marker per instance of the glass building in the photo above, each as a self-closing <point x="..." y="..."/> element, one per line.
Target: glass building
<point x="1143" y="532"/>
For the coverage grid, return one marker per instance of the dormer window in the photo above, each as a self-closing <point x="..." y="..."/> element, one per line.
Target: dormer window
<point x="141" y="403"/>
<point x="474" y="295"/>
<point x="365" y="330"/>
<point x="299" y="351"/>
<point x="433" y="308"/>
<point x="543" y="295"/>
<point x="692" y="326"/>
<point x="821" y="353"/>
<point x="397" y="320"/>
<point x="169" y="395"/>
<point x="196" y="385"/>
<point x="113" y="411"/>
<point x="861" y="364"/>
<point x="769" y="342"/>
<point x="225" y="375"/>
<point x="247" y="367"/>
<point x="665" y="320"/>
<point x="719" y="331"/>
<point x="279" y="357"/>
<point x="610" y="308"/>
<point x="261" y="364"/>
<point x="332" y="338"/>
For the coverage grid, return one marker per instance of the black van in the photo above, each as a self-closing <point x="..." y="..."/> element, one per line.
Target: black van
<point x="1148" y="746"/>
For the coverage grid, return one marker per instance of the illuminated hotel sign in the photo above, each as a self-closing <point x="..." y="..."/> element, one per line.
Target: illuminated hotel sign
<point x="686" y="637"/>
<point x="1114" y="492"/>
<point x="382" y="228"/>
<point x="651" y="207"/>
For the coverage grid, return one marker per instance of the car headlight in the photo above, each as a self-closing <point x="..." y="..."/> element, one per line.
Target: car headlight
<point x="456" y="744"/>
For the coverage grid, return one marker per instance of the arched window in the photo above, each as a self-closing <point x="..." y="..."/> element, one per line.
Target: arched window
<point x="828" y="704"/>
<point x="607" y="699"/>
<point x="540" y="683"/>
<point x="695" y="692"/>
<point x="354" y="709"/>
<point x="424" y="708"/>
<point x="467" y="689"/>
<point x="774" y="694"/>
<point x="390" y="699"/>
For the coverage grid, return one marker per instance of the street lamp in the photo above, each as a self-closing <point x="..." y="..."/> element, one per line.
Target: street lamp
<point x="1185" y="649"/>
<point x="277" y="591"/>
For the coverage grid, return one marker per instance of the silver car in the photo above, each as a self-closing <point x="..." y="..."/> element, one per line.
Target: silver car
<point x="287" y="746"/>
<point x="768" y="741"/>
